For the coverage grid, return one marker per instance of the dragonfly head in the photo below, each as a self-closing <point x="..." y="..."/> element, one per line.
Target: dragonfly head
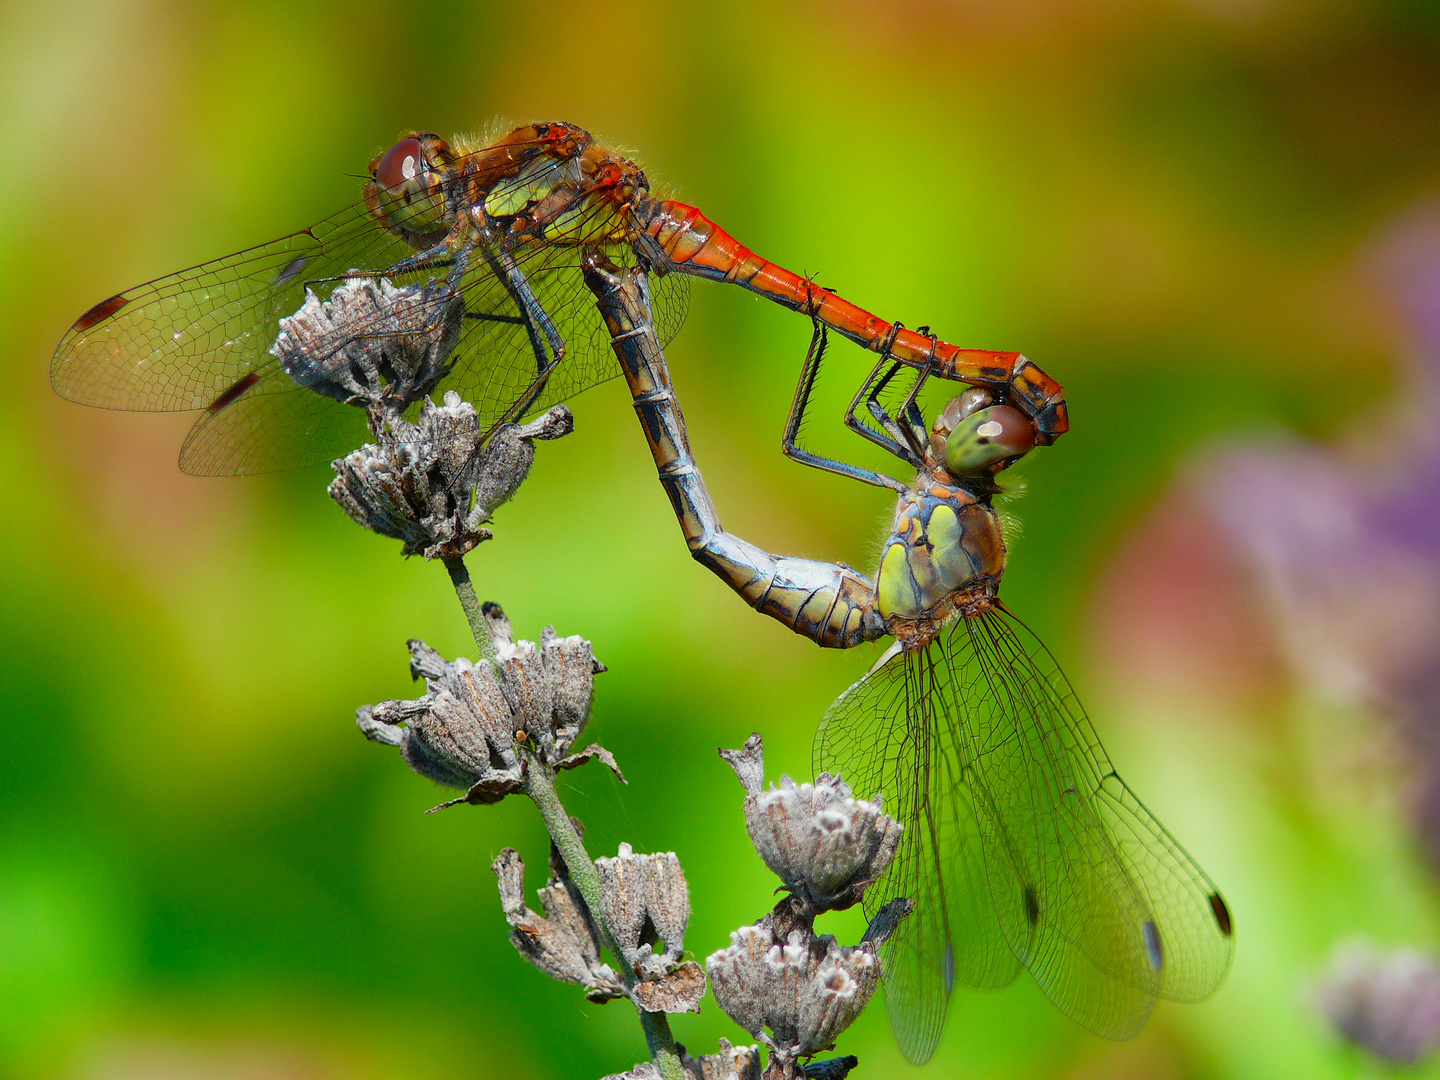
<point x="974" y="437"/>
<point x="405" y="191"/>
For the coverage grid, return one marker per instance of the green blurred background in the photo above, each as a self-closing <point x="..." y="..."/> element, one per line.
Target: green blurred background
<point x="205" y="871"/>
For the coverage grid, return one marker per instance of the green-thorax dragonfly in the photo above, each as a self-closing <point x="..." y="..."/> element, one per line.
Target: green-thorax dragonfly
<point x="495" y="230"/>
<point x="1022" y="845"/>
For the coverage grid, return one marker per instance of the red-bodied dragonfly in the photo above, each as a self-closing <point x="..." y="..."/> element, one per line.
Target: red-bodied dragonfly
<point x="497" y="231"/>
<point x="1022" y="847"/>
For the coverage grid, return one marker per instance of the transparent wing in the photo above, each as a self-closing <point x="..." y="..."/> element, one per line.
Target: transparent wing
<point x="200" y="338"/>
<point x="894" y="733"/>
<point x="1110" y="911"/>
<point x="181" y="341"/>
<point x="498" y="357"/>
<point x="1022" y="845"/>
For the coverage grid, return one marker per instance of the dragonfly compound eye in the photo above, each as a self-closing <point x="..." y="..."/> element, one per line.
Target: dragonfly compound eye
<point x="956" y="409"/>
<point x="988" y="440"/>
<point x="404" y="191"/>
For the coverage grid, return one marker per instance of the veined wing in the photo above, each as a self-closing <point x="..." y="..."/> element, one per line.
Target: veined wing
<point x="200" y="338"/>
<point x="895" y="734"/>
<point x="1098" y="900"/>
<point x="1015" y="818"/>
<point x="500" y="352"/>
<point x="181" y="341"/>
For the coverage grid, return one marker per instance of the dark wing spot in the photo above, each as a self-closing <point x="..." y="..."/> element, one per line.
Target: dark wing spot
<point x="1032" y="905"/>
<point x="292" y="269"/>
<point x="229" y="396"/>
<point x="1222" y="913"/>
<point x="100" y="312"/>
<point x="1153" y="948"/>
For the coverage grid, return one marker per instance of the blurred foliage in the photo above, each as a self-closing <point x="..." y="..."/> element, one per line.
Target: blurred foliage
<point x="204" y="869"/>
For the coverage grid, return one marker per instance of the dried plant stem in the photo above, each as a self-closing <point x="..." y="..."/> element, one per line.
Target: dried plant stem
<point x="470" y="604"/>
<point x="540" y="786"/>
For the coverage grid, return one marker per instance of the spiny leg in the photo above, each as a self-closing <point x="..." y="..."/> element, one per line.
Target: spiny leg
<point x="789" y="443"/>
<point x="889" y="438"/>
<point x="913" y="426"/>
<point x="432" y="258"/>
<point x="907" y="432"/>
<point x="914" y="452"/>
<point x="911" y="411"/>
<point x="538" y="324"/>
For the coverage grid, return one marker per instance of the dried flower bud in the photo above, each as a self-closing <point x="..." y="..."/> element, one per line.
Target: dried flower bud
<point x="505" y="460"/>
<point x="373" y="344"/>
<point x="461" y="733"/>
<point x="826" y="845"/>
<point x="1387" y="1002"/>
<point x="647" y="902"/>
<point x="548" y="688"/>
<point x="806" y="990"/>
<point x="431" y="483"/>
<point x="749" y="763"/>
<point x="731" y="1063"/>
<point x="644" y="1071"/>
<point x="565" y="943"/>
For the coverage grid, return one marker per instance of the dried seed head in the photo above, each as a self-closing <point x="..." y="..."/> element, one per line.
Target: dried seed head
<point x="646" y="902"/>
<point x="644" y="1071"/>
<point x="806" y="990"/>
<point x="505" y="460"/>
<point x="1387" y="1002"/>
<point x="827" y="846"/>
<point x="431" y="483"/>
<point x="462" y="732"/>
<point x="548" y="688"/>
<point x="731" y="1063"/>
<point x="565" y="943"/>
<point x="373" y="344"/>
<point x="749" y="763"/>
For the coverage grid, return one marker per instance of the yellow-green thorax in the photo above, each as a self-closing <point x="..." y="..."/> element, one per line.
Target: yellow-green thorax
<point x="944" y="558"/>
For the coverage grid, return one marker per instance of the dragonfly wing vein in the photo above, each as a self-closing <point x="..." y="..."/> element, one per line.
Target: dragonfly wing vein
<point x="891" y="735"/>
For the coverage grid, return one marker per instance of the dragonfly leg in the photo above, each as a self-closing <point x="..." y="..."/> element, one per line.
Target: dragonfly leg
<point x="913" y="426"/>
<point x="789" y="443"/>
<point x="680" y="238"/>
<point x="890" y="436"/>
<point x="545" y="339"/>
<point x="526" y="400"/>
<point x="829" y="603"/>
<point x="432" y="258"/>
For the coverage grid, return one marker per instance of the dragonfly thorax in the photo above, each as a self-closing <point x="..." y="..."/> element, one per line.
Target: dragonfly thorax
<point x="944" y="559"/>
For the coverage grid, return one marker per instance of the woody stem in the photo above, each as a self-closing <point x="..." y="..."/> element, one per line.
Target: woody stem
<point x="540" y="786"/>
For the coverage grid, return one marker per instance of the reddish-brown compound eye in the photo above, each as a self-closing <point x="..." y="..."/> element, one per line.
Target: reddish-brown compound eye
<point x="400" y="165"/>
<point x="956" y="409"/>
<point x="405" y="191"/>
<point x="988" y="441"/>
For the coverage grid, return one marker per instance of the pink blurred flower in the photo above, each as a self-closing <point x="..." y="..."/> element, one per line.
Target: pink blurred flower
<point x="1344" y="543"/>
<point x="1387" y="1002"/>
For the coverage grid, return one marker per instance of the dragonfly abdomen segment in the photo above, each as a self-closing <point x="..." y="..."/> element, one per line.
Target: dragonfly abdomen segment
<point x="675" y="237"/>
<point x="832" y="605"/>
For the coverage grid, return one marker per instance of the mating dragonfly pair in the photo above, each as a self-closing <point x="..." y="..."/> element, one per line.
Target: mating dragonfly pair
<point x="1022" y="846"/>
